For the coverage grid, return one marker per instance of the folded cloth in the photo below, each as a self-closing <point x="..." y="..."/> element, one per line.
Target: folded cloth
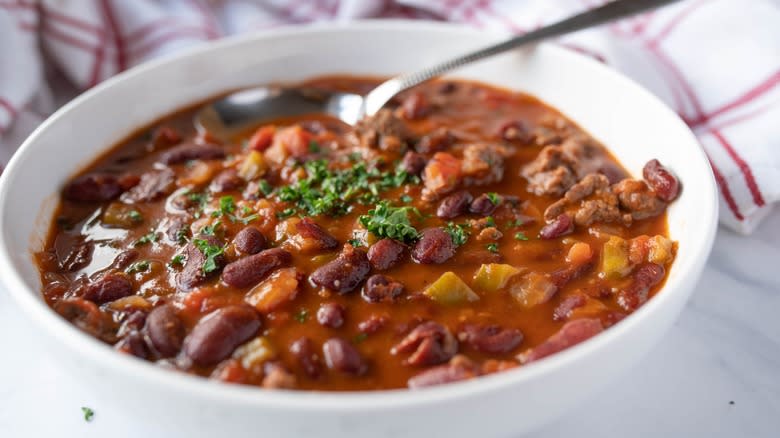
<point x="715" y="62"/>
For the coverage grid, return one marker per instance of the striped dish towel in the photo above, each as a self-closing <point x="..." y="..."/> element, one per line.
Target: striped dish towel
<point x="716" y="62"/>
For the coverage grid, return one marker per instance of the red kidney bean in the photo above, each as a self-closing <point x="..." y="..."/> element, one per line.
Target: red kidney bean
<point x="429" y="343"/>
<point x="372" y="324"/>
<point x="124" y="259"/>
<point x="439" y="140"/>
<point x="88" y="317"/>
<point x="345" y="273"/>
<point x="192" y="151"/>
<point x="79" y="257"/>
<point x="249" y="270"/>
<point x="152" y="186"/>
<point x="331" y="315"/>
<point x="165" y="330"/>
<point x="309" y="229"/>
<point x="567" y="305"/>
<point x="304" y="352"/>
<point x="192" y="274"/>
<point x="217" y="334"/>
<point x="94" y="187"/>
<point x="226" y="181"/>
<point x="178" y="228"/>
<point x="454" y="371"/>
<point x="133" y="343"/>
<point x="518" y="130"/>
<point x="413" y="163"/>
<point x="483" y="205"/>
<point x="454" y="205"/>
<point x="435" y="246"/>
<point x="341" y="356"/>
<point x="492" y="339"/>
<point x="415" y="106"/>
<point x="661" y="180"/>
<point x="379" y="288"/>
<point x="613" y="172"/>
<point x="572" y="333"/>
<point x="385" y="254"/>
<point x="135" y="320"/>
<point x="109" y="287"/>
<point x="250" y="241"/>
<point x="645" y="277"/>
<point x="560" y="226"/>
<point x="447" y="87"/>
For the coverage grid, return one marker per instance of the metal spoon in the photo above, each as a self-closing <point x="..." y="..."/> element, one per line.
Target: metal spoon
<point x="243" y="108"/>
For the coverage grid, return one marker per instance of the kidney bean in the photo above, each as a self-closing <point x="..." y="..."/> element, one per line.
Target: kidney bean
<point x="249" y="270"/>
<point x="109" y="287"/>
<point x="645" y="277"/>
<point x="217" y="334"/>
<point x="439" y="140"/>
<point x="165" y="330"/>
<point x="341" y="356"/>
<point x="152" y="186"/>
<point x="133" y="343"/>
<point x="560" y="226"/>
<point x="413" y="163"/>
<point x="94" y="187"/>
<point x="88" y="317"/>
<point x="379" y="288"/>
<point x="454" y="205"/>
<point x="308" y="229"/>
<point x="435" y="246"/>
<point x="192" y="274"/>
<point x="345" y="273"/>
<point x="490" y="339"/>
<point x="447" y="87"/>
<point x="415" y="106"/>
<point x="459" y="368"/>
<point x="483" y="205"/>
<point x="303" y="350"/>
<point x="564" y="309"/>
<point x="79" y="257"/>
<point x="385" y="254"/>
<point x="135" y="320"/>
<point x="572" y="333"/>
<point x="661" y="180"/>
<point x="178" y="229"/>
<point x="429" y="343"/>
<point x="250" y="241"/>
<point x="192" y="151"/>
<point x="331" y="315"/>
<point x="372" y="324"/>
<point x="226" y="181"/>
<point x="125" y="258"/>
<point x="512" y="130"/>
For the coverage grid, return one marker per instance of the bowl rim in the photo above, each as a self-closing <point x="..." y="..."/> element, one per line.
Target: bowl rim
<point x="327" y="401"/>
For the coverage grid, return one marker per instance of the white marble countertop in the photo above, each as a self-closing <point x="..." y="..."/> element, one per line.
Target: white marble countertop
<point x="716" y="374"/>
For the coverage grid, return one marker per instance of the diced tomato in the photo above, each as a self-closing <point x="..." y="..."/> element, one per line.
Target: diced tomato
<point x="442" y="173"/>
<point x="294" y="139"/>
<point x="262" y="138"/>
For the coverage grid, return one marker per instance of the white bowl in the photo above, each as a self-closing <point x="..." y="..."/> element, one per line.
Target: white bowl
<point x="631" y="122"/>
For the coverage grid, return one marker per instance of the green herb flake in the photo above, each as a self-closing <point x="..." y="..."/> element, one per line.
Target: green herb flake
<point x="88" y="413"/>
<point x="406" y="199"/>
<point x="355" y="242"/>
<point x="135" y="216"/>
<point x="227" y="205"/>
<point x="140" y="266"/>
<point x="287" y="212"/>
<point x="360" y="337"/>
<point x="301" y="316"/>
<point x="314" y="147"/>
<point x="265" y="187"/>
<point x="490" y="222"/>
<point x="177" y="260"/>
<point x="391" y="222"/>
<point x="515" y="223"/>
<point x="492" y="247"/>
<point x="149" y="237"/>
<point x="210" y="230"/>
<point x="458" y="232"/>
<point x="520" y="236"/>
<point x="211" y="252"/>
<point x="494" y="198"/>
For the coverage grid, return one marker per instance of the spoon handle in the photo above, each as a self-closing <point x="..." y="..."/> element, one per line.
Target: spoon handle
<point x="594" y="17"/>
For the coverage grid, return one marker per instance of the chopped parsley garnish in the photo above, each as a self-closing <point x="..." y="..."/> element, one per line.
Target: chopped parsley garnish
<point x="211" y="252"/>
<point x="181" y="236"/>
<point x="245" y="210"/>
<point x="149" y="237"/>
<point x="287" y="212"/>
<point x="314" y="147"/>
<point x="385" y="220"/>
<point x="332" y="192"/>
<point x="226" y="205"/>
<point x="301" y="316"/>
<point x="209" y="230"/>
<point x="492" y="247"/>
<point x="177" y="260"/>
<point x="88" y="413"/>
<point x="490" y="222"/>
<point x="355" y="242"/>
<point x="360" y="337"/>
<point x="458" y="232"/>
<point x="135" y="216"/>
<point x="265" y="187"/>
<point x="198" y="198"/>
<point x="141" y="266"/>
<point x="520" y="236"/>
<point x="515" y="223"/>
<point x="494" y="198"/>
<point x="406" y="199"/>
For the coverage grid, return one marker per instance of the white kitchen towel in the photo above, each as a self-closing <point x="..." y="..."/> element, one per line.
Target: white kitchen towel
<point x="716" y="62"/>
